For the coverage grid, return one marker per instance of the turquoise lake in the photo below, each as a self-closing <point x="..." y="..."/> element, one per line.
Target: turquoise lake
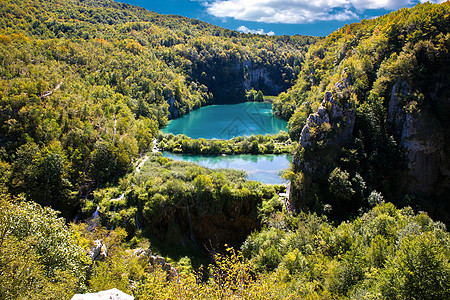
<point x="262" y="168"/>
<point x="227" y="121"/>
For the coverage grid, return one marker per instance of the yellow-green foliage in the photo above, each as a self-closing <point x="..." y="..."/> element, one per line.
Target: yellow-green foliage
<point x="84" y="87"/>
<point x="410" y="44"/>
<point x="230" y="277"/>
<point x="39" y="256"/>
<point x="383" y="69"/>
<point x="387" y="252"/>
<point x="163" y="188"/>
<point x="267" y="144"/>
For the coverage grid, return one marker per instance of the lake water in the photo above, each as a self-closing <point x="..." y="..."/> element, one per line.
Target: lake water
<point x="263" y="168"/>
<point x="227" y="121"/>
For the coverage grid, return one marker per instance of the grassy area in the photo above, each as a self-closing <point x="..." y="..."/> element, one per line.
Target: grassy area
<point x="269" y="98"/>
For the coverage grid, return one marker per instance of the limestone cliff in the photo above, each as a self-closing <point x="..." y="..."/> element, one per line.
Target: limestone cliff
<point x="259" y="78"/>
<point x="422" y="134"/>
<point x="325" y="131"/>
<point x="228" y="83"/>
<point x="173" y="111"/>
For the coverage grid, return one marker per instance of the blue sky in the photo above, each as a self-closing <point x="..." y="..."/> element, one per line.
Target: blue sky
<point x="306" y="17"/>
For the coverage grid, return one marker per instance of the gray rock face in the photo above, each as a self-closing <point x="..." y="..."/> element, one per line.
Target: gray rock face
<point x="323" y="134"/>
<point x="255" y="77"/>
<point x="424" y="148"/>
<point x="173" y="111"/>
<point x="112" y="294"/>
<point x="396" y="115"/>
<point x="315" y="120"/>
<point x="332" y="123"/>
<point x="423" y="138"/>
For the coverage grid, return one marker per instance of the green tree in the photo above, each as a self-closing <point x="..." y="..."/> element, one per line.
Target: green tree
<point x="39" y="256"/>
<point x="42" y="174"/>
<point x="254" y="147"/>
<point x="259" y="97"/>
<point x="420" y="269"/>
<point x="340" y="184"/>
<point x="108" y="161"/>
<point x="296" y="124"/>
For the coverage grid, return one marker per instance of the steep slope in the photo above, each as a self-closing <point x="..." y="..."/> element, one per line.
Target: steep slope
<point x="383" y="124"/>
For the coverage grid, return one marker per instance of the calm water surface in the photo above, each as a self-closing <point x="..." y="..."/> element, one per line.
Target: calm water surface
<point x="262" y="168"/>
<point x="227" y="121"/>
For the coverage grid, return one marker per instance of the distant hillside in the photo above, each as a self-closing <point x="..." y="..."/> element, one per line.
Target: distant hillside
<point x="85" y="85"/>
<point x="199" y="52"/>
<point x="371" y="112"/>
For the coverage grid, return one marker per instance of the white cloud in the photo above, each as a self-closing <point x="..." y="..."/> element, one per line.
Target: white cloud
<point x="300" y="11"/>
<point x="245" y="29"/>
<point x="378" y="4"/>
<point x="433" y="1"/>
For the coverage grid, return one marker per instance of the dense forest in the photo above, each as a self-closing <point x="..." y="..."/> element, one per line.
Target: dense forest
<point x="85" y="86"/>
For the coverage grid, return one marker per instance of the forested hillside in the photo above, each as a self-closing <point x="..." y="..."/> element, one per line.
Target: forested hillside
<point x="374" y="97"/>
<point x="85" y="86"/>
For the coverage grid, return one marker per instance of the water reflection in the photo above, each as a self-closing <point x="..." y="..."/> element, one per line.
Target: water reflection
<point x="262" y="168"/>
<point x="227" y="121"/>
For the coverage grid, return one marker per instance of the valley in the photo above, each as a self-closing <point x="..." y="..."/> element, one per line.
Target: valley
<point x="201" y="188"/>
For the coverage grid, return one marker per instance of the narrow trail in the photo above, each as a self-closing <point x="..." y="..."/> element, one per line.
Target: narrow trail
<point x="51" y="92"/>
<point x="285" y="197"/>
<point x="146" y="157"/>
<point x="155" y="147"/>
<point x="143" y="161"/>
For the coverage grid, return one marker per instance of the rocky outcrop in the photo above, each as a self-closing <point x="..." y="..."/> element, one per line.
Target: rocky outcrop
<point x="98" y="252"/>
<point x="324" y="133"/>
<point x="416" y="137"/>
<point x="155" y="261"/>
<point x="112" y="294"/>
<point x="422" y="136"/>
<point x="333" y="122"/>
<point x="173" y="111"/>
<point x="396" y="113"/>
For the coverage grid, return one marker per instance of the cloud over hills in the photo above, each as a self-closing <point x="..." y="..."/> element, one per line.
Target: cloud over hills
<point x="245" y="29"/>
<point x="300" y="11"/>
